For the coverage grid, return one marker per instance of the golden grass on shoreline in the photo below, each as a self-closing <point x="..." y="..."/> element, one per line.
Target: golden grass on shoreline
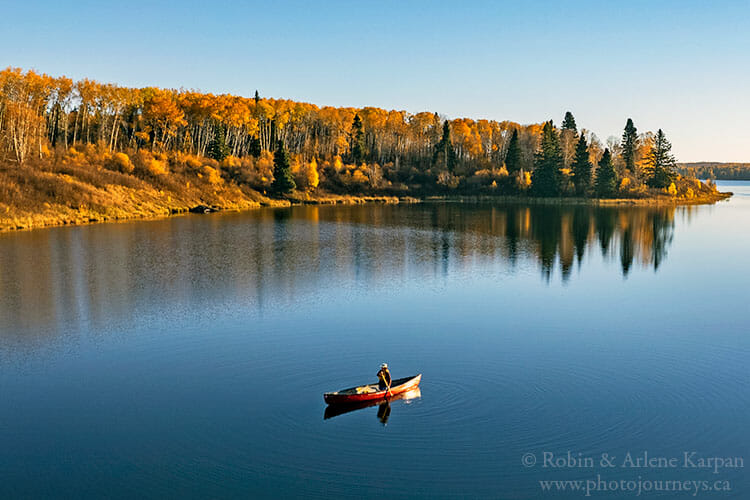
<point x="76" y="189"/>
<point x="71" y="217"/>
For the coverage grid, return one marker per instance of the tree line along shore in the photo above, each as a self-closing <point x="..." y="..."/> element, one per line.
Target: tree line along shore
<point x="715" y="171"/>
<point x="83" y="151"/>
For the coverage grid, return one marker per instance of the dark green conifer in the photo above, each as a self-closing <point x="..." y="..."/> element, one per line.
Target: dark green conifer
<point x="629" y="145"/>
<point x="661" y="163"/>
<point x="545" y="180"/>
<point x="357" y="141"/>
<point x="582" y="168"/>
<point x="569" y="123"/>
<point x="217" y="148"/>
<point x="283" y="183"/>
<point x="568" y="137"/>
<point x="254" y="148"/>
<point x="444" y="156"/>
<point x="606" y="177"/>
<point x="513" y="155"/>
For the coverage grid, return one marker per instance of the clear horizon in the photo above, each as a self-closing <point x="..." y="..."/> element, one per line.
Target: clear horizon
<point x="676" y="66"/>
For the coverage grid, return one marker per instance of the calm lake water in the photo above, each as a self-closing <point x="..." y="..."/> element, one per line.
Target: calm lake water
<point x="187" y="357"/>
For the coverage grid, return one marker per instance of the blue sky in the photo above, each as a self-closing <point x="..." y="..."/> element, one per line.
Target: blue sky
<point x="680" y="66"/>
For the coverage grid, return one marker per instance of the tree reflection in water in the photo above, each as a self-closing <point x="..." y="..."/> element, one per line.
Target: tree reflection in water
<point x="548" y="233"/>
<point x="98" y="275"/>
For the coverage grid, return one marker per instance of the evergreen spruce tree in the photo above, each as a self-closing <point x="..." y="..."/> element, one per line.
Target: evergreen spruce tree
<point x="257" y="97"/>
<point x="661" y="163"/>
<point x="357" y="142"/>
<point x="606" y="177"/>
<point x="253" y="147"/>
<point x="568" y="136"/>
<point x="283" y="183"/>
<point x="569" y="123"/>
<point x="582" y="168"/>
<point x="513" y="155"/>
<point x="545" y="180"/>
<point x="217" y="148"/>
<point x="629" y="145"/>
<point x="445" y="156"/>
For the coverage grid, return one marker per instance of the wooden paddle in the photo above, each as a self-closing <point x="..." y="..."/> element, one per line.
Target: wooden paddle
<point x="388" y="386"/>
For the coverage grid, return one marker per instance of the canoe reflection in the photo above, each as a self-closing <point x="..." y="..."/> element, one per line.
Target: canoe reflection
<point x="384" y="406"/>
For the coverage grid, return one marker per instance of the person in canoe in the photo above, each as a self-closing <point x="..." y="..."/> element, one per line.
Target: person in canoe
<point x="384" y="377"/>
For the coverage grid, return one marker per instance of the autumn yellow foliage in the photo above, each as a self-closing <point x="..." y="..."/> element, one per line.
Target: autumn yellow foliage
<point x="193" y="162"/>
<point x="312" y="174"/>
<point x="166" y="137"/>
<point x="523" y="180"/>
<point x="359" y="177"/>
<point x="157" y="167"/>
<point x="212" y="175"/>
<point x="121" y="161"/>
<point x="74" y="154"/>
<point x="231" y="161"/>
<point x="264" y="166"/>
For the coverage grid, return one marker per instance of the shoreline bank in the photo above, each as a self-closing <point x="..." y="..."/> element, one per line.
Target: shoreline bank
<point x="666" y="200"/>
<point x="77" y="217"/>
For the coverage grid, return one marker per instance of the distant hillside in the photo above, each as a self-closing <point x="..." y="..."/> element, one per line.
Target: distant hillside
<point x="716" y="170"/>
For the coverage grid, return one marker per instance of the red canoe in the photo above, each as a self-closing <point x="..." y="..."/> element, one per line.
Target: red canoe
<point x="372" y="392"/>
